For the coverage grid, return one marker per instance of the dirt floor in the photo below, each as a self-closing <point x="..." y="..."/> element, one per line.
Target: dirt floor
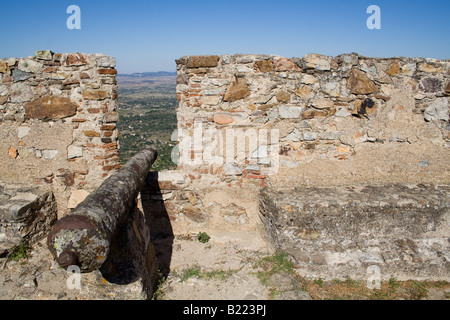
<point x="229" y="266"/>
<point x="226" y="267"/>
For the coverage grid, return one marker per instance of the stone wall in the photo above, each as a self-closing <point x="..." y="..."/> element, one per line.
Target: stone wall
<point x="352" y="118"/>
<point x="339" y="232"/>
<point x="341" y="161"/>
<point x="58" y="122"/>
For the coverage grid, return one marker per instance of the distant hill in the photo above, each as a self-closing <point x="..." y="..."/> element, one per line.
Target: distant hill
<point x="148" y="74"/>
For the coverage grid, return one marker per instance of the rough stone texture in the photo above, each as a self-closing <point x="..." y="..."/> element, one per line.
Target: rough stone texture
<point x="361" y="109"/>
<point x="26" y="215"/>
<point x="129" y="273"/>
<point x="237" y="90"/>
<point x="339" y="232"/>
<point x="202" y="61"/>
<point x="338" y="122"/>
<point x="50" y="108"/>
<point x="360" y="83"/>
<point x="47" y="102"/>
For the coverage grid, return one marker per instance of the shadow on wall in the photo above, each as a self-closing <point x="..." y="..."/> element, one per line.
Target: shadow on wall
<point x="158" y="222"/>
<point x="142" y="248"/>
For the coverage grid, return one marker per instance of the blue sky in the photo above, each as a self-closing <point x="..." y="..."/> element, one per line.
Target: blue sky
<point x="149" y="35"/>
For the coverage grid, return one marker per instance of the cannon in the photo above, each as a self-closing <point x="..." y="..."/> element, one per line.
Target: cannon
<point x="83" y="237"/>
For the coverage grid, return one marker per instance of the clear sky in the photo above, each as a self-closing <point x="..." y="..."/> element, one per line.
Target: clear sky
<point x="149" y="35"/>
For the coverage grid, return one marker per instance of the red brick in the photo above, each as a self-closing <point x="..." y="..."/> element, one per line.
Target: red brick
<point x="256" y="176"/>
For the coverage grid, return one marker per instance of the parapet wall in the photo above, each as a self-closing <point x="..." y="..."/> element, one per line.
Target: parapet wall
<point x="58" y="122"/>
<point x="317" y="120"/>
<point x="347" y="155"/>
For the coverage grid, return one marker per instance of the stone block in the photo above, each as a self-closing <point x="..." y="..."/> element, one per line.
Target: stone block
<point x="317" y="61"/>
<point x="338" y="232"/>
<point x="360" y="84"/>
<point x="74" y="152"/>
<point x="237" y="90"/>
<point x="287" y="112"/>
<point x="44" y="55"/>
<point x="26" y="215"/>
<point x="50" y="108"/>
<point x="31" y="66"/>
<point x="202" y="61"/>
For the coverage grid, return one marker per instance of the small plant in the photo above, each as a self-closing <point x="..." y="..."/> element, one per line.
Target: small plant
<point x="419" y="290"/>
<point x="158" y="293"/>
<point x="20" y="251"/>
<point x="198" y="273"/>
<point x="393" y="283"/>
<point x="352" y="283"/>
<point x="203" y="237"/>
<point x="279" y="262"/>
<point x="319" y="282"/>
<point x="191" y="272"/>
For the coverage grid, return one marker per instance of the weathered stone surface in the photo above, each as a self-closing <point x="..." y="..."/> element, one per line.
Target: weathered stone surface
<point x="313" y="113"/>
<point x="76" y="197"/>
<point x="31" y="66"/>
<point x="237" y="90"/>
<point x="283" y="96"/>
<point x="21" y="92"/>
<point x="431" y="85"/>
<point x="438" y="110"/>
<point x="76" y="59"/>
<point x="50" y="107"/>
<point x="317" y="61"/>
<point x="49" y="154"/>
<point x="111" y="117"/>
<point x="23" y="131"/>
<point x="19" y="75"/>
<point x="338" y="232"/>
<point x="3" y="66"/>
<point x="105" y="61"/>
<point x="360" y="84"/>
<point x="430" y="68"/>
<point x="223" y="118"/>
<point x="265" y="65"/>
<point x="393" y="69"/>
<point x="284" y="64"/>
<point x="44" y="55"/>
<point x="26" y="214"/>
<point x="230" y="169"/>
<point x="195" y="214"/>
<point x="322" y="103"/>
<point x="107" y="71"/>
<point x="308" y="79"/>
<point x="409" y="69"/>
<point x="95" y="94"/>
<point x="91" y="134"/>
<point x="304" y="92"/>
<point x="287" y="112"/>
<point x="74" y="152"/>
<point x="12" y="152"/>
<point x="202" y="61"/>
<point x="210" y="100"/>
<point x="447" y="90"/>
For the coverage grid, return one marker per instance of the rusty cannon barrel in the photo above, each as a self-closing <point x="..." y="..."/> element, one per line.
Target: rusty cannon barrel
<point x="83" y="237"/>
